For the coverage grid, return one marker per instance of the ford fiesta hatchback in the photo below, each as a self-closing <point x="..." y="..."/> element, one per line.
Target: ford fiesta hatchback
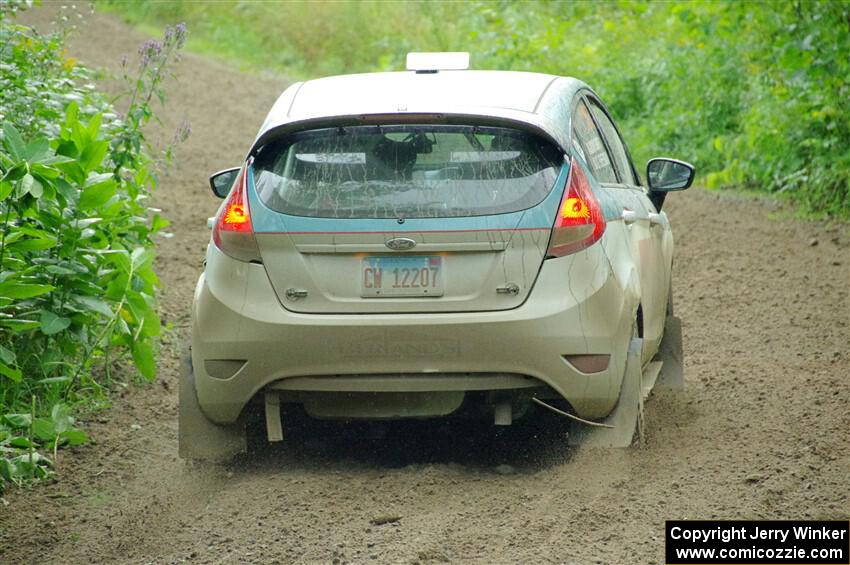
<point x="413" y="244"/>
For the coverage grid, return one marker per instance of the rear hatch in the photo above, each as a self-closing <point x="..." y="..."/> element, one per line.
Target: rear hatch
<point x="404" y="218"/>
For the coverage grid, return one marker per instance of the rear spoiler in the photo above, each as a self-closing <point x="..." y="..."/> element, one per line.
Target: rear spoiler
<point x="283" y="130"/>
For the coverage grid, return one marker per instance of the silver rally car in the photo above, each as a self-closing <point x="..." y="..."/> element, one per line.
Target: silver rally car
<point x="411" y="244"/>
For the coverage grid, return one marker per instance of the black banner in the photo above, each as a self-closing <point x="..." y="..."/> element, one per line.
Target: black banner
<point x="759" y="542"/>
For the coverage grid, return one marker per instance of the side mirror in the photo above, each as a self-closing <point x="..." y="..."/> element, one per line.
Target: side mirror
<point x="667" y="175"/>
<point x="222" y="181"/>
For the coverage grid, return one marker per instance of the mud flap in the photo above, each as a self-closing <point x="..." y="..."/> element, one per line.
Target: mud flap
<point x="197" y="437"/>
<point x="626" y="417"/>
<point x="670" y="354"/>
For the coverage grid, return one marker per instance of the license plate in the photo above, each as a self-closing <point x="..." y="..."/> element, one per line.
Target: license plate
<point x="412" y="275"/>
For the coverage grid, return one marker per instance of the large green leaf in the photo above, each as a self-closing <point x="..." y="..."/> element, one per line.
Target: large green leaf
<point x="36" y="188"/>
<point x="93" y="126"/>
<point x="6" y="189"/>
<point x="142" y="258"/>
<point x="73" y="171"/>
<point x="94" y="304"/>
<point x="6" y="355"/>
<point x="37" y="149"/>
<point x="12" y="141"/>
<point x="26" y="183"/>
<point x="144" y="359"/>
<point x="14" y="235"/>
<point x="19" y="325"/>
<point x="36" y="244"/>
<point x="74" y="436"/>
<point x="44" y="171"/>
<point x="14" y="289"/>
<point x="10" y="372"/>
<point x="58" y="270"/>
<point x="43" y="429"/>
<point x="93" y="154"/>
<point x="21" y="442"/>
<point x="144" y="309"/>
<point x="53" y="324"/>
<point x="18" y="420"/>
<point x="98" y="193"/>
<point x="120" y="258"/>
<point x="61" y="417"/>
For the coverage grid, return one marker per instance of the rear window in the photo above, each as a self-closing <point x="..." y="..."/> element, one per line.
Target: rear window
<point x="405" y="171"/>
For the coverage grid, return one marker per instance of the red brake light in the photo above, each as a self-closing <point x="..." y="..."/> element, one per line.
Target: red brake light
<point x="236" y="215"/>
<point x="233" y="232"/>
<point x="579" y="222"/>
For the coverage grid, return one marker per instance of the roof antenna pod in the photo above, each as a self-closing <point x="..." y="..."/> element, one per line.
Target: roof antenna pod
<point x="429" y="63"/>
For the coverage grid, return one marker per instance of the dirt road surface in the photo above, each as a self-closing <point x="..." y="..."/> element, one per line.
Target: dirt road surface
<point x="762" y="430"/>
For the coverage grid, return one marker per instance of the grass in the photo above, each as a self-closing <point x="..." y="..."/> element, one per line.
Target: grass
<point x="304" y="39"/>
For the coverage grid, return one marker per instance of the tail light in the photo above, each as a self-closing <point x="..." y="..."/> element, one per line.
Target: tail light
<point x="232" y="232"/>
<point x="579" y="222"/>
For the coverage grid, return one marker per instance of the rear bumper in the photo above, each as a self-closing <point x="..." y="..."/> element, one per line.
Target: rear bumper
<point x="577" y="307"/>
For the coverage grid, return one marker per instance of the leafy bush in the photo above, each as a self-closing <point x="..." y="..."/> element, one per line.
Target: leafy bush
<point x="754" y="93"/>
<point x="76" y="239"/>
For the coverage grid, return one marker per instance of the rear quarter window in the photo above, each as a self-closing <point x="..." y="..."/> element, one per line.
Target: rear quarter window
<point x="593" y="147"/>
<point x="615" y="143"/>
<point x="410" y="171"/>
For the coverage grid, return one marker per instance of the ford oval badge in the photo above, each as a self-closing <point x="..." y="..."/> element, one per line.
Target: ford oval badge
<point x="401" y="244"/>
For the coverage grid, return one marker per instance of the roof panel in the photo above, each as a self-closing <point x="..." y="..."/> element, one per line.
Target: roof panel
<point x="377" y="93"/>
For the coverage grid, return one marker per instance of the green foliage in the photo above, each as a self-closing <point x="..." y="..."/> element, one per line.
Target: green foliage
<point x="306" y="39"/>
<point x="22" y="434"/>
<point x="754" y="93"/>
<point x="76" y="240"/>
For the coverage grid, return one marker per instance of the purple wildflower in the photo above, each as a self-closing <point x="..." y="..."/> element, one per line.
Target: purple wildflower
<point x="150" y="50"/>
<point x="180" y="34"/>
